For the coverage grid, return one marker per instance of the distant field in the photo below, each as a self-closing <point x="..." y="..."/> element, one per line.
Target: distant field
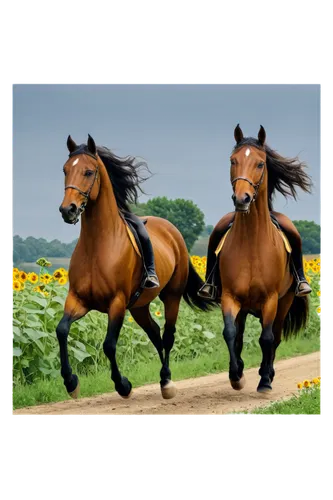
<point x="199" y="248"/>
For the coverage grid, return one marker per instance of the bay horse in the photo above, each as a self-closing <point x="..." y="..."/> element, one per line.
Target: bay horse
<point x="254" y="266"/>
<point x="105" y="270"/>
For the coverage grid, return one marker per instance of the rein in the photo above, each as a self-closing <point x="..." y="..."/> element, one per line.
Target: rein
<point x="86" y="194"/>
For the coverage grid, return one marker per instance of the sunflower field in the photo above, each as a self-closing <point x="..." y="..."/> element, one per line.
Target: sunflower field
<point x="38" y="303"/>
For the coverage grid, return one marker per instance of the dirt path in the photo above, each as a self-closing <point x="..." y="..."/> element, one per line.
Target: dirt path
<point x="204" y="395"/>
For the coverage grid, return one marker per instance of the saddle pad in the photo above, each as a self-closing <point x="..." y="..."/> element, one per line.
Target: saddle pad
<point x="132" y="238"/>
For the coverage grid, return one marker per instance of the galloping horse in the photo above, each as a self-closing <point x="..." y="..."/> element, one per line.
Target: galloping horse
<point x="105" y="269"/>
<point x="254" y="265"/>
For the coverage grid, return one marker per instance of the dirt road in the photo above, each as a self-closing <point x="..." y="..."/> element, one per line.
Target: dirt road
<point x="204" y="395"/>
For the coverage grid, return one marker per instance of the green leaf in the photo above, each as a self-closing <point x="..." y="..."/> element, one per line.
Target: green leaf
<point x="59" y="300"/>
<point x="39" y="300"/>
<point x="80" y="345"/>
<point x="79" y="355"/>
<point x="17" y="351"/>
<point x="50" y="311"/>
<point x="209" y="335"/>
<point x="16" y="330"/>
<point x="32" y="311"/>
<point x="197" y="327"/>
<point x="34" y="334"/>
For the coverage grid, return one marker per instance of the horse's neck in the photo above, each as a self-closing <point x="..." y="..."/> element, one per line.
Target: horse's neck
<point x="256" y="224"/>
<point x="101" y="218"/>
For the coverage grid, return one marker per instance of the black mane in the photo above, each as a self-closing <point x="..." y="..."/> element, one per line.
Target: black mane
<point x="125" y="176"/>
<point x="284" y="174"/>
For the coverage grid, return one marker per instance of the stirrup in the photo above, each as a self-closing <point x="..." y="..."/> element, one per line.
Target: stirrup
<point x="302" y="293"/>
<point x="151" y="281"/>
<point x="208" y="292"/>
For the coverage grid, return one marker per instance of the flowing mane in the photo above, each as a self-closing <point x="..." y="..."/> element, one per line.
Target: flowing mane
<point x="126" y="175"/>
<point x="284" y="174"/>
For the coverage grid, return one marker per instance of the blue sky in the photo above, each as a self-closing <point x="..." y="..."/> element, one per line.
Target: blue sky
<point x="184" y="132"/>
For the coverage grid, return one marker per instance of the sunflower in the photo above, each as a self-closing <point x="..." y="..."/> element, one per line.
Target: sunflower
<point x="130" y="319"/>
<point x="311" y="263"/>
<point x="23" y="276"/>
<point x="46" y="278"/>
<point x="17" y="286"/>
<point x="307" y="383"/>
<point x="33" y="277"/>
<point x="16" y="275"/>
<point x="57" y="274"/>
<point x="318" y="293"/>
<point x="316" y="381"/>
<point x="318" y="310"/>
<point x="308" y="279"/>
<point x="63" y="271"/>
<point x="62" y="281"/>
<point x="15" y="270"/>
<point x="299" y="385"/>
<point x="158" y="313"/>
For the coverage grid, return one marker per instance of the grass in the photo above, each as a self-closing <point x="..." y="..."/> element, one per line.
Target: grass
<point x="309" y="403"/>
<point x="46" y="391"/>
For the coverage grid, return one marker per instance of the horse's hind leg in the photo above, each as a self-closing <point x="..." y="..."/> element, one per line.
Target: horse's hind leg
<point x="143" y="317"/>
<point x="116" y="317"/>
<point x="266" y="342"/>
<point x="171" y="308"/>
<point x="284" y="305"/>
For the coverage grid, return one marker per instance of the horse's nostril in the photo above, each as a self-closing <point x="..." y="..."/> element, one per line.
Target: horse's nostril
<point x="72" y="208"/>
<point x="247" y="198"/>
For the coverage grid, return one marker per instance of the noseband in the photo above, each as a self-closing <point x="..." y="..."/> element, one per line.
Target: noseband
<point x="86" y="194"/>
<point x="255" y="186"/>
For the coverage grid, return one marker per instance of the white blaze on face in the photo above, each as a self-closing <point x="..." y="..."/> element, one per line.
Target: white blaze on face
<point x="76" y="161"/>
<point x="247" y="152"/>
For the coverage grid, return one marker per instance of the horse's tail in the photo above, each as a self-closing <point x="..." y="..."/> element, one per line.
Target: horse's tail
<point x="297" y="317"/>
<point x="193" y="285"/>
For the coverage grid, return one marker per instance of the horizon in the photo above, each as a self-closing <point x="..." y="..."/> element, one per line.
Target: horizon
<point x="184" y="132"/>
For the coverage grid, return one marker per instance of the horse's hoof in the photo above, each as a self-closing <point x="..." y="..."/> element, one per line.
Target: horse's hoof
<point x="124" y="389"/>
<point x="168" y="390"/>
<point x="264" y="388"/>
<point x="238" y="385"/>
<point x="75" y="394"/>
<point x="73" y="386"/>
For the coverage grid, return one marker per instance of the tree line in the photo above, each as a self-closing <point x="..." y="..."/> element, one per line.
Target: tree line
<point x="184" y="214"/>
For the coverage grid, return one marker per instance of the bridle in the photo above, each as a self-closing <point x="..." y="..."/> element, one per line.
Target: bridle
<point x="86" y="194"/>
<point x="255" y="186"/>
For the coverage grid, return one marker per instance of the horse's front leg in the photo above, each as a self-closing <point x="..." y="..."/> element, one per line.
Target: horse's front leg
<point x="116" y="317"/>
<point x="73" y="311"/>
<point x="266" y="342"/>
<point x="230" y="309"/>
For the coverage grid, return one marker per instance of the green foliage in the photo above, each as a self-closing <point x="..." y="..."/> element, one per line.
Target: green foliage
<point x="207" y="231"/>
<point x="184" y="214"/>
<point x="310" y="234"/>
<point x="36" y="350"/>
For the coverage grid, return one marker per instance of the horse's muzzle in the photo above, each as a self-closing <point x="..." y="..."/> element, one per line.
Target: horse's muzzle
<point x="70" y="214"/>
<point x="243" y="204"/>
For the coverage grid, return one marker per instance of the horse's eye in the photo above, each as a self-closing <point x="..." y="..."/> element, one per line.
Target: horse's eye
<point x="88" y="173"/>
<point x="232" y="162"/>
<point x="261" y="164"/>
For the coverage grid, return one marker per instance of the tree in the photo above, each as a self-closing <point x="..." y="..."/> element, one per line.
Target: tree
<point x="184" y="214"/>
<point x="310" y="234"/>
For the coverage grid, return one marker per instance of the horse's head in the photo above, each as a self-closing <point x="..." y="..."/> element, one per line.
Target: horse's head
<point x="81" y="173"/>
<point x="247" y="171"/>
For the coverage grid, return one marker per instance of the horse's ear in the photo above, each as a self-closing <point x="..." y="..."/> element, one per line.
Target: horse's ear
<point x="238" y="134"/>
<point x="71" y="144"/>
<point x="91" y="145"/>
<point x="262" y="135"/>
